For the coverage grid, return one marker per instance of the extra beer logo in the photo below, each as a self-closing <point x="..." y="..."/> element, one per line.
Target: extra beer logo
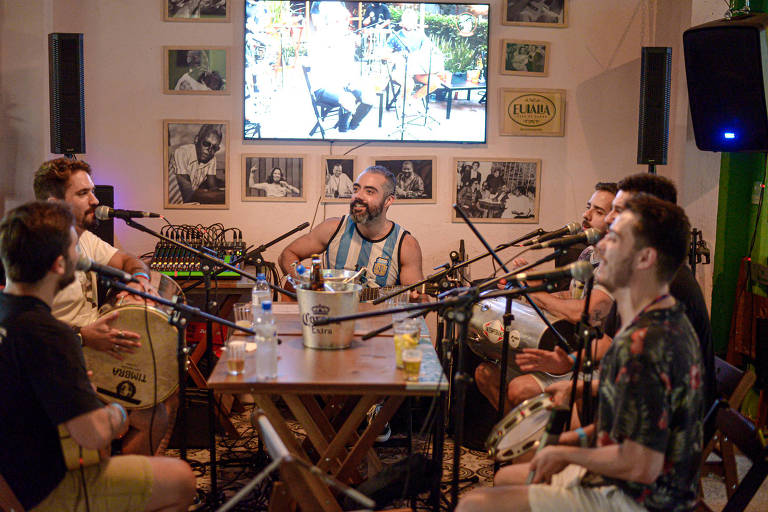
<point x="318" y="312"/>
<point x="381" y="266"/>
<point x="531" y="110"/>
<point x="466" y="23"/>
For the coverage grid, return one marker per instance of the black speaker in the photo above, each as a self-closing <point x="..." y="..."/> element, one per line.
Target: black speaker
<point x="724" y="65"/>
<point x="653" y="122"/>
<point x="106" y="228"/>
<point x="67" y="98"/>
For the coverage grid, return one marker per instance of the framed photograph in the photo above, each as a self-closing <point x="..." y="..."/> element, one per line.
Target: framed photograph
<point x="196" y="10"/>
<point x="497" y="190"/>
<point x="272" y="178"/>
<point x="532" y="112"/>
<point x="524" y="58"/>
<point x="195" y="70"/>
<point x="415" y="181"/>
<point x="339" y="175"/>
<point x="536" y="13"/>
<point x="196" y="172"/>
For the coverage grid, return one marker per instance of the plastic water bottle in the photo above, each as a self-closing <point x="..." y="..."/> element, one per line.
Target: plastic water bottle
<point x="266" y="351"/>
<point x="260" y="292"/>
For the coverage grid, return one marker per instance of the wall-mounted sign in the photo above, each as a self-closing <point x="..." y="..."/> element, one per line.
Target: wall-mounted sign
<point x="533" y="112"/>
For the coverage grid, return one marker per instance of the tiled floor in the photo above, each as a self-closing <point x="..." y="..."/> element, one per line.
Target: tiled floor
<point x="238" y="464"/>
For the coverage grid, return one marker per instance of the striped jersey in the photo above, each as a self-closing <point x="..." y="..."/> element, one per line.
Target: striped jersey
<point x="349" y="249"/>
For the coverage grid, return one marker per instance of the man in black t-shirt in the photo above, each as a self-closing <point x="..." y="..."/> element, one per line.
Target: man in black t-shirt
<point x="44" y="385"/>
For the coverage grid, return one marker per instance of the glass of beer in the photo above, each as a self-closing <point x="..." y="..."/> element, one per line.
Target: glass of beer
<point x="412" y="363"/>
<point x="407" y="333"/>
<point x="243" y="315"/>
<point x="236" y="356"/>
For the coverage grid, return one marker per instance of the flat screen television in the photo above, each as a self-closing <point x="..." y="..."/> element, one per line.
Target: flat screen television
<point x="365" y="71"/>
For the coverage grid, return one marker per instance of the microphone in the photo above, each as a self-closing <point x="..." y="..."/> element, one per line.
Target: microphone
<point x="106" y="213"/>
<point x="589" y="236"/>
<point x="572" y="228"/>
<point x="87" y="264"/>
<point x="580" y="270"/>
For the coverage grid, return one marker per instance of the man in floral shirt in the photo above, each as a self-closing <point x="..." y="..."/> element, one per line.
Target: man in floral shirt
<point x="649" y="430"/>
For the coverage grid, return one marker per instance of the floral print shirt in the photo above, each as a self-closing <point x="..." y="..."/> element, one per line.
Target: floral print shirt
<point x="651" y="393"/>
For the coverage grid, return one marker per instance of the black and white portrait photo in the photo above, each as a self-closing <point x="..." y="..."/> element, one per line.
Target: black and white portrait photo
<point x="414" y="180"/>
<point x="195" y="70"/>
<point x="339" y="178"/>
<point x="272" y="178"/>
<point x="497" y="190"/>
<point x="195" y="164"/>
<point x="196" y="10"/>
<point x="545" y="13"/>
<point x="524" y="58"/>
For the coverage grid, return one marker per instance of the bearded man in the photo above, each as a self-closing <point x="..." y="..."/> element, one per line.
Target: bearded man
<point x="365" y="237"/>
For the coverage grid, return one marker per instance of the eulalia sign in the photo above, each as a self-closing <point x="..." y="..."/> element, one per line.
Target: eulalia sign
<point x="533" y="112"/>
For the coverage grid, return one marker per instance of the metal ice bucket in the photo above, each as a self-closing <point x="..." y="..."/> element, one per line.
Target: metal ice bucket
<point x="316" y="305"/>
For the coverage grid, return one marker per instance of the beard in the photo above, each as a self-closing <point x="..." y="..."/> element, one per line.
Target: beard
<point x="68" y="278"/>
<point x="370" y="213"/>
<point x="93" y="223"/>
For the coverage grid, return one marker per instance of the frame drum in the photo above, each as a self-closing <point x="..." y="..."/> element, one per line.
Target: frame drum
<point x="520" y="430"/>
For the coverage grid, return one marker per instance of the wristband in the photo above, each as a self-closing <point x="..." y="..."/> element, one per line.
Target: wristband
<point x="583" y="439"/>
<point x="573" y="358"/>
<point x="142" y="274"/>
<point x="120" y="408"/>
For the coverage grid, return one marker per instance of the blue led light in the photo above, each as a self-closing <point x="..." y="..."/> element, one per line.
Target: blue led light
<point x="729" y="135"/>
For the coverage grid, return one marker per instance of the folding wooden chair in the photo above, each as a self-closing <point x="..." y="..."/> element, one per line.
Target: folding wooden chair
<point x="744" y="435"/>
<point x="732" y="385"/>
<point x="8" y="500"/>
<point x="321" y="109"/>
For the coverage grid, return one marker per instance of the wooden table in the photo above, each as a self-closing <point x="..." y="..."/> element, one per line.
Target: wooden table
<point x="350" y="381"/>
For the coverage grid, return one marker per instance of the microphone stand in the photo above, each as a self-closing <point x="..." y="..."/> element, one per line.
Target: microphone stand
<point x="179" y="319"/>
<point x="255" y="254"/>
<point x="585" y="333"/>
<point x="207" y="271"/>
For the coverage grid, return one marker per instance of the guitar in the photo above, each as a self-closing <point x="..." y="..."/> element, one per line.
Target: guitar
<point x="370" y="294"/>
<point x="75" y="456"/>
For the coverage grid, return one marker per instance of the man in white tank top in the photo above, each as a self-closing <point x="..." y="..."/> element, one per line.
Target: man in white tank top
<point x="365" y="237"/>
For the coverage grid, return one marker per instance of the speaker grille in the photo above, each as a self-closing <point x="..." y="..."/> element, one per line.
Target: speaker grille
<point x="726" y="84"/>
<point x="653" y="123"/>
<point x="67" y="93"/>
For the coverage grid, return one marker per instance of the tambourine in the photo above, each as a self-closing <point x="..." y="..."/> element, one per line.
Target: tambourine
<point x="520" y="430"/>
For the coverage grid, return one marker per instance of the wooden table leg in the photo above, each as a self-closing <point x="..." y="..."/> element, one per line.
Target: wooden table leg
<point x="369" y="436"/>
<point x="344" y="434"/>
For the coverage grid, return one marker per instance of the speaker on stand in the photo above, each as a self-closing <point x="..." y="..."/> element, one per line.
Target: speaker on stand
<point x="653" y="122"/>
<point x="66" y="91"/>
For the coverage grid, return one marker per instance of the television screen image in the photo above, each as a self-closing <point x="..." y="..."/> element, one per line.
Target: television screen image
<point x="365" y="71"/>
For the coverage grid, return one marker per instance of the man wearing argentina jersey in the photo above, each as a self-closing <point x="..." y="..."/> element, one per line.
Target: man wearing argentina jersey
<point x="365" y="237"/>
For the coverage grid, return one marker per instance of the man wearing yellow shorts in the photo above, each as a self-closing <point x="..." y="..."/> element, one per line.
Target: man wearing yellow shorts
<point x="44" y="385"/>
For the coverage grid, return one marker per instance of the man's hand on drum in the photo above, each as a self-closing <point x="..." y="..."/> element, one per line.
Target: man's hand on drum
<point x="561" y="392"/>
<point x="551" y="361"/>
<point x="143" y="286"/>
<point x="549" y="461"/>
<point x="101" y="336"/>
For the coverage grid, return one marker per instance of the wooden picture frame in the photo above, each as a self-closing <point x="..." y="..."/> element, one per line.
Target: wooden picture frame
<point x="337" y="189"/>
<point x="196" y="70"/>
<point x="519" y="57"/>
<point x="197" y="11"/>
<point x="186" y="182"/>
<point x="258" y="185"/>
<point x="535" y="13"/>
<point x="424" y="171"/>
<point x="532" y="112"/>
<point x="497" y="190"/>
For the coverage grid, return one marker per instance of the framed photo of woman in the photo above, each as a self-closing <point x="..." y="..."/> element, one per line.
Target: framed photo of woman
<point x="273" y="178"/>
<point x="524" y="58"/>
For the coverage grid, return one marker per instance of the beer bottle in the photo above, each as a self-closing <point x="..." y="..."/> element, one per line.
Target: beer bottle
<point x="316" y="274"/>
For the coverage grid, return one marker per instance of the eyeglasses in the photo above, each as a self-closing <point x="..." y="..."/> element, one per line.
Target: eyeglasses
<point x="208" y="145"/>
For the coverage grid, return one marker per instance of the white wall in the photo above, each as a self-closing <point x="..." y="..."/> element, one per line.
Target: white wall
<point x="596" y="59"/>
